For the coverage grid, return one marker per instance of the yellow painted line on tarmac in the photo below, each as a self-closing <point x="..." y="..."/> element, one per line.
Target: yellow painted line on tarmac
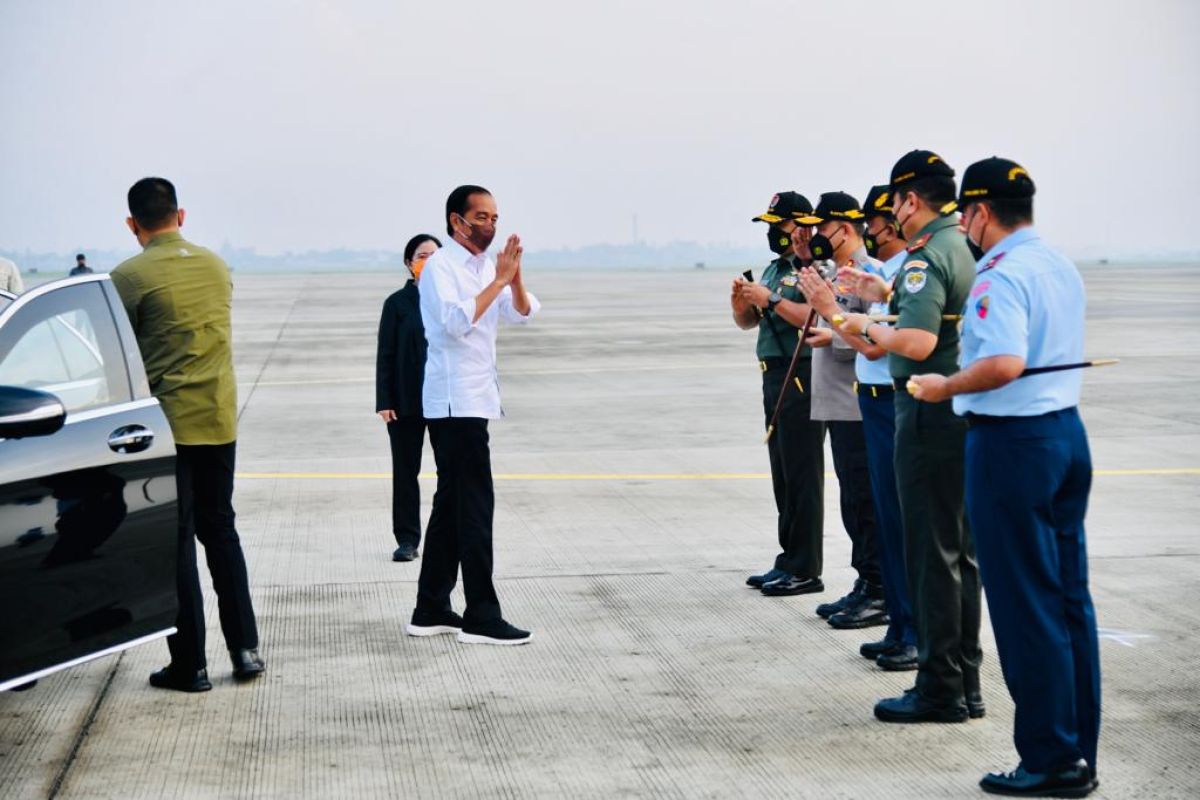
<point x="631" y="476"/>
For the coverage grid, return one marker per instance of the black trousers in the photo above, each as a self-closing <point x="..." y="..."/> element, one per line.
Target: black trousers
<point x="460" y="526"/>
<point x="407" y="436"/>
<point x="849" y="446"/>
<point x="204" y="482"/>
<point x="797" y="472"/>
<point x="943" y="577"/>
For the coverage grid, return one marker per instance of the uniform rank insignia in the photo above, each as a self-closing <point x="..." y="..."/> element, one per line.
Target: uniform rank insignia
<point x="919" y="243"/>
<point x="915" y="281"/>
<point x="993" y="261"/>
<point x="789" y="280"/>
<point x="981" y="307"/>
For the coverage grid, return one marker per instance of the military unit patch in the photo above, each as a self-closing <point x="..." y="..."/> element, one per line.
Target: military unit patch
<point x="981" y="307"/>
<point x="789" y="280"/>
<point x="916" y="265"/>
<point x="981" y="288"/>
<point x="915" y="281"/>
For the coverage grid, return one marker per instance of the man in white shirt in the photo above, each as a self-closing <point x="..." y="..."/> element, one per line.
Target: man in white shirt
<point x="464" y="295"/>
<point x="10" y="277"/>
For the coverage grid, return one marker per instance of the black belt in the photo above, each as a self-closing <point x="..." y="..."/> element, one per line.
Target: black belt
<point x="767" y="364"/>
<point x="874" y="389"/>
<point x="900" y="384"/>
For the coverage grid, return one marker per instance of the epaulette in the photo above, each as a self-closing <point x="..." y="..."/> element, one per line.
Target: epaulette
<point x="919" y="243"/>
<point x="993" y="261"/>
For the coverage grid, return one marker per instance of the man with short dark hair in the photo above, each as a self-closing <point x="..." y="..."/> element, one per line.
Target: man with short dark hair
<point x="81" y="267"/>
<point x="1028" y="475"/>
<point x="932" y="283"/>
<point x="178" y="297"/>
<point x="464" y="295"/>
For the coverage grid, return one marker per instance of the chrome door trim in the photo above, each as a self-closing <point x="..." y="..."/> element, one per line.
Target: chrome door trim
<point x="108" y="651"/>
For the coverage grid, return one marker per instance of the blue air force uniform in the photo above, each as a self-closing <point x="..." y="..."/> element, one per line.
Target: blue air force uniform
<point x="1028" y="474"/>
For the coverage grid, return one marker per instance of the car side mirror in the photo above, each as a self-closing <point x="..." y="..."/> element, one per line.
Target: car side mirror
<point x="29" y="412"/>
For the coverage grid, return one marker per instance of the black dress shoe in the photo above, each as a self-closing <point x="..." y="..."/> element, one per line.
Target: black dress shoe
<point x="901" y="659"/>
<point x="757" y="581"/>
<point x="910" y="707"/>
<point x="827" y="610"/>
<point x="1074" y="781"/>
<point x="405" y="552"/>
<point x="180" y="680"/>
<point x="247" y="664"/>
<point x="790" y="585"/>
<point x="873" y="650"/>
<point x="975" y="707"/>
<point x="866" y="612"/>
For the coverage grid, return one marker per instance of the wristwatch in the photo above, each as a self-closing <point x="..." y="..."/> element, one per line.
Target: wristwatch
<point x="773" y="300"/>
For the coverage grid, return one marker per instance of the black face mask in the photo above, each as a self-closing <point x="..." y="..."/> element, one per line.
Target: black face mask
<point x="820" y="247"/>
<point x="871" y="245"/>
<point x="977" y="251"/>
<point x="779" y="240"/>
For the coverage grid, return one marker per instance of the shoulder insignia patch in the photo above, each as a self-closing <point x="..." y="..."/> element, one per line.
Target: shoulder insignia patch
<point x="915" y="281"/>
<point x="916" y="264"/>
<point x="789" y="280"/>
<point x="919" y="243"/>
<point x="993" y="261"/>
<point x="982" y="287"/>
<point x="981" y="307"/>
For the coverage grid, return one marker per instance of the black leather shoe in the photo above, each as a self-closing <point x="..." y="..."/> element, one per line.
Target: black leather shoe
<point x="757" y="581"/>
<point x="975" y="707"/>
<point x="910" y="707"/>
<point x="247" y="664"/>
<point x="901" y="659"/>
<point x="873" y="650"/>
<point x="790" y="585"/>
<point x="866" y="612"/>
<point x="405" y="552"/>
<point x="827" y="610"/>
<point x="180" y="680"/>
<point x="1074" y="781"/>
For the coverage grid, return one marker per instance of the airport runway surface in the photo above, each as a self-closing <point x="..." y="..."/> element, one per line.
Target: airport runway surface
<point x="632" y="501"/>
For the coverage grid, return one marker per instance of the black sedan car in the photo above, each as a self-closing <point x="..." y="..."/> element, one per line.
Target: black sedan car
<point x="87" y="484"/>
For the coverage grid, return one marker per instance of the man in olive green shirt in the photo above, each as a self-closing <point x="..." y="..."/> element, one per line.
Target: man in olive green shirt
<point x="943" y="577"/>
<point x="178" y="297"/>
<point x="776" y="307"/>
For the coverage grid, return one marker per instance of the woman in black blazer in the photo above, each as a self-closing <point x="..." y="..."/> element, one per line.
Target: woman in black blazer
<point x="399" y="372"/>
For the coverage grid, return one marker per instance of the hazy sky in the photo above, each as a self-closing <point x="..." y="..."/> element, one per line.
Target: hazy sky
<point x="296" y="125"/>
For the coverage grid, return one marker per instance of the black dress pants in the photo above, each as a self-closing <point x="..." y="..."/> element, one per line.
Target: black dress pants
<point x="407" y="436"/>
<point x="460" y="526"/>
<point x="797" y="456"/>
<point x="204" y="482"/>
<point x="849" y="446"/>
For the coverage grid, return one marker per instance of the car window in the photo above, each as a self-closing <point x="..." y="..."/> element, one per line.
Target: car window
<point x="66" y="343"/>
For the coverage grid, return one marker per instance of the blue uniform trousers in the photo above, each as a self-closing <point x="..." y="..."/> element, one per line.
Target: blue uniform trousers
<point x="879" y="427"/>
<point x="1027" y="483"/>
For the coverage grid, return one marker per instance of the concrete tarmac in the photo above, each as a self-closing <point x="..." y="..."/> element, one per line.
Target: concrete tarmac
<point x="632" y="501"/>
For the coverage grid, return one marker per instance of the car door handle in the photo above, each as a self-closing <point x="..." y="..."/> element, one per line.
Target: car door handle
<point x="130" y="439"/>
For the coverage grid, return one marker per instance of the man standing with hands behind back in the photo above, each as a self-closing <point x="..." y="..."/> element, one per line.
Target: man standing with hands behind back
<point x="464" y="295"/>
